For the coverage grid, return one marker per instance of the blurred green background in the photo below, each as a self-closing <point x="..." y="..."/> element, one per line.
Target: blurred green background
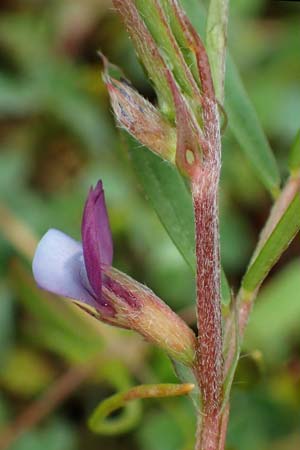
<point x="57" y="138"/>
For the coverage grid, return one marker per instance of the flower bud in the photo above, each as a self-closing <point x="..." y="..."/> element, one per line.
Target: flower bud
<point x="139" y="117"/>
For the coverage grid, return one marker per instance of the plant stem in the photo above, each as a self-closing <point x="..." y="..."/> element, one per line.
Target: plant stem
<point x="211" y="433"/>
<point x="209" y="369"/>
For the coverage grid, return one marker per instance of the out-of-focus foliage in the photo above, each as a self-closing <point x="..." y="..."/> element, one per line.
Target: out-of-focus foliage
<point x="57" y="138"/>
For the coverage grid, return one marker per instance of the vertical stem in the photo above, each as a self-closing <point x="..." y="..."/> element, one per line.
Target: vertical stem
<point x="211" y="433"/>
<point x="209" y="353"/>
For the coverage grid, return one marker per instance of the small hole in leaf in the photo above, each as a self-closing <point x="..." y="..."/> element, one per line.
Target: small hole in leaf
<point x="190" y="157"/>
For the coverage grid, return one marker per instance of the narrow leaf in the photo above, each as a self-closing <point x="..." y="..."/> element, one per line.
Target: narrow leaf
<point x="247" y="130"/>
<point x="169" y="196"/>
<point x="280" y="238"/>
<point x="216" y="39"/>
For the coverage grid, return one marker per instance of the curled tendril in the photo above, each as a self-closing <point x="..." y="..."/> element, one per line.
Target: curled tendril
<point x="99" y="421"/>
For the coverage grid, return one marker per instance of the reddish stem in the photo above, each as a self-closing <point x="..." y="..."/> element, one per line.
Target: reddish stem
<point x="209" y="370"/>
<point x="208" y="290"/>
<point x="212" y="429"/>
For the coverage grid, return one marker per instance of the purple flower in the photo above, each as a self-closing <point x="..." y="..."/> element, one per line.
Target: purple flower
<point x="83" y="272"/>
<point x="68" y="268"/>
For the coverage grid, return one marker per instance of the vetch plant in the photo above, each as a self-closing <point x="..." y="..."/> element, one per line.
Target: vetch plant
<point x="184" y="129"/>
<point x="84" y="273"/>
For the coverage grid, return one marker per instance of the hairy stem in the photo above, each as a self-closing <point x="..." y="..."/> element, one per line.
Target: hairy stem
<point x="209" y="370"/>
<point x="211" y="433"/>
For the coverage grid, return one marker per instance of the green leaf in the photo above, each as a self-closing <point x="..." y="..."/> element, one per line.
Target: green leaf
<point x="294" y="157"/>
<point x="245" y="126"/>
<point x="216" y="39"/>
<point x="169" y="196"/>
<point x="172" y="202"/>
<point x="282" y="235"/>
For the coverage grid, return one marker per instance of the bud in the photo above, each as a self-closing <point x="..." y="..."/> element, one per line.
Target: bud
<point x="139" y="117"/>
<point x="177" y="63"/>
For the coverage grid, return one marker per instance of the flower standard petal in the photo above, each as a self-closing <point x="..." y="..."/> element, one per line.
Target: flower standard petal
<point x="96" y="237"/>
<point x="58" y="267"/>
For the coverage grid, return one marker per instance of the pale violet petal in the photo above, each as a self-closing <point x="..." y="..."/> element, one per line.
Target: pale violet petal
<point x="58" y="267"/>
